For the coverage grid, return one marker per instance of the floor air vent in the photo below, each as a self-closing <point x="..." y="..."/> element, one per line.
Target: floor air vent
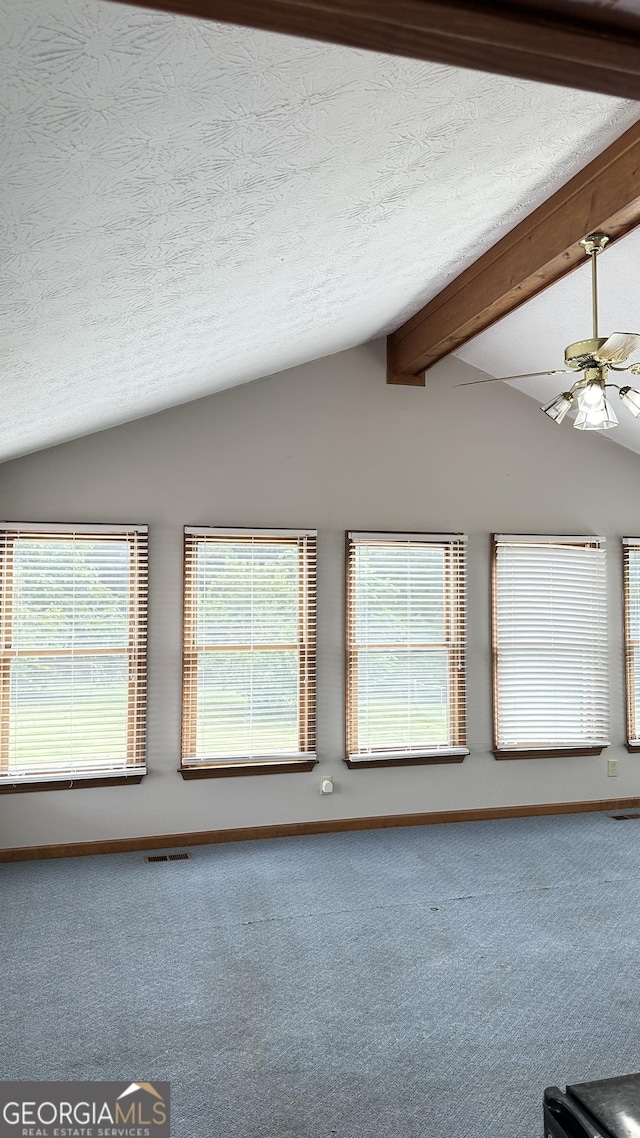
<point x="625" y="817"/>
<point x="169" y="857"/>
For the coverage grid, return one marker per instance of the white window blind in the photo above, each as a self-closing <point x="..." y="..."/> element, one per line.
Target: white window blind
<point x="405" y="645"/>
<point x="249" y="646"/>
<point x="73" y="629"/>
<point x="631" y="563"/>
<point x="550" y="643"/>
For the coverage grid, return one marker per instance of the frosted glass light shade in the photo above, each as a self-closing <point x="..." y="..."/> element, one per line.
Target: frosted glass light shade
<point x="598" y="418"/>
<point x="592" y="398"/>
<point x="557" y="407"/>
<point x="631" y="399"/>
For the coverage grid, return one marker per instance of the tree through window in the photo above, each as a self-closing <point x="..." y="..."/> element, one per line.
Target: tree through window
<point x="73" y="616"/>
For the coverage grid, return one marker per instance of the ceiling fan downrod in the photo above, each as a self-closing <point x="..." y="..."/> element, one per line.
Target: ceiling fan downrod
<point x="592" y="245"/>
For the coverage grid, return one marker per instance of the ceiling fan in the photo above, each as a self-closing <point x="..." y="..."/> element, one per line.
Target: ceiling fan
<point x="594" y="359"/>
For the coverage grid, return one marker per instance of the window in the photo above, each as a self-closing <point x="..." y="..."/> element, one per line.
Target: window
<point x="73" y="625"/>
<point x="249" y="651"/>
<point x="631" y="563"/>
<point x="405" y="648"/>
<point x="550" y="645"/>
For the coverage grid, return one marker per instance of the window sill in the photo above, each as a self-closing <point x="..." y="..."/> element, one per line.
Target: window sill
<point x="20" y="787"/>
<point x="228" y="770"/>
<point x="368" y="761"/>
<point x="550" y="753"/>
<point x="633" y="748"/>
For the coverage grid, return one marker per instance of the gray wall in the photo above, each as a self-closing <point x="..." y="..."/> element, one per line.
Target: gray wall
<point x="328" y="445"/>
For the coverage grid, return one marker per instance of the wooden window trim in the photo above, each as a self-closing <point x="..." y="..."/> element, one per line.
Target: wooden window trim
<point x="368" y="761"/>
<point x="6" y="610"/>
<point x="306" y="655"/>
<point x="71" y="784"/>
<point x="135" y="651"/>
<point x="189" y="655"/>
<point x="629" y="545"/>
<point x="229" y="770"/>
<point x="305" y="646"/>
<point x="455" y="615"/>
<point x="548" y="752"/>
<point x="454" y="620"/>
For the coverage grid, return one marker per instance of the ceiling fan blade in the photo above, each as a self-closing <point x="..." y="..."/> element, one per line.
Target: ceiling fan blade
<point x="504" y="378"/>
<point x="618" y="347"/>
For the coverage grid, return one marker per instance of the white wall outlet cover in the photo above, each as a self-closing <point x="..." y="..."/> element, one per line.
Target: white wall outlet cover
<point x="326" y="786"/>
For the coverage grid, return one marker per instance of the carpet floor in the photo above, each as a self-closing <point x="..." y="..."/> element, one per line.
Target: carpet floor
<point x="417" y="983"/>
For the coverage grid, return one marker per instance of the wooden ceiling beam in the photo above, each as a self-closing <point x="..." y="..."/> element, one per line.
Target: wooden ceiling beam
<point x="605" y="196"/>
<point x="583" y="44"/>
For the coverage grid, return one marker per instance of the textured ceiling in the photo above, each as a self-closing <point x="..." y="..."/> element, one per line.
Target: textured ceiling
<point x="536" y="335"/>
<point x="187" y="206"/>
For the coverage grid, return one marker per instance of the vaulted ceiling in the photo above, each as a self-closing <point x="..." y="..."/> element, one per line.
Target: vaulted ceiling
<point x="187" y="206"/>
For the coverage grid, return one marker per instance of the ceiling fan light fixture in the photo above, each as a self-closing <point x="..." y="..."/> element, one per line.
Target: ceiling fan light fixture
<point x="600" y="417"/>
<point x="631" y="399"/>
<point x="591" y="397"/>
<point x="595" y="358"/>
<point x="557" y="407"/>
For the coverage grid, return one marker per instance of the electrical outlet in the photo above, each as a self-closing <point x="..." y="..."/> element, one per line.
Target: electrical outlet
<point x="326" y="786"/>
<point x="612" y="767"/>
